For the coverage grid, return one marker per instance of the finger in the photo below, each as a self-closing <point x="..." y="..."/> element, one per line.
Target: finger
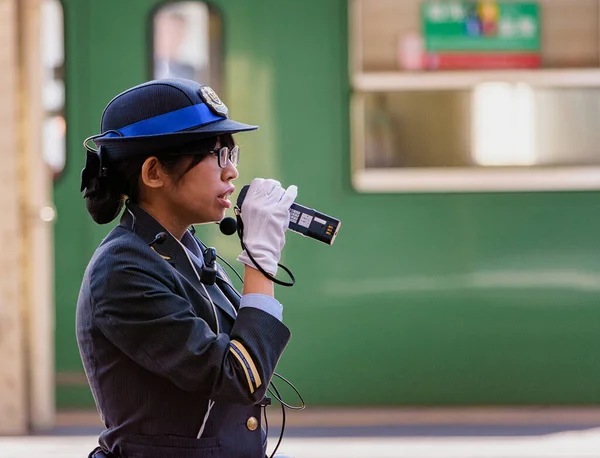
<point x="289" y="196"/>
<point x="253" y="190"/>
<point x="256" y="185"/>
<point x="271" y="185"/>
<point x="277" y="194"/>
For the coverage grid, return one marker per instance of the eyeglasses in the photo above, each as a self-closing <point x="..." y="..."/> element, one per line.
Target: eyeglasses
<point x="225" y="154"/>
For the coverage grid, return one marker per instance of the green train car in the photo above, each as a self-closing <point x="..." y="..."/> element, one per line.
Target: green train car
<point x="435" y="292"/>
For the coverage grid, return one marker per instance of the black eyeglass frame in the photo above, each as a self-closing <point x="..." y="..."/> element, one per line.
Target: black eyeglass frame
<point x="226" y="155"/>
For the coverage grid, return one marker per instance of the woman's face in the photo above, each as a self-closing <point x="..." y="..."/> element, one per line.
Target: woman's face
<point x="202" y="194"/>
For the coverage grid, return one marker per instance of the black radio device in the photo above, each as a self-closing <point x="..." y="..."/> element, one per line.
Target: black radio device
<point x="306" y="221"/>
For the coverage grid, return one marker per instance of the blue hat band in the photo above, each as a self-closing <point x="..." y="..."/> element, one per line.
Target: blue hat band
<point x="169" y="123"/>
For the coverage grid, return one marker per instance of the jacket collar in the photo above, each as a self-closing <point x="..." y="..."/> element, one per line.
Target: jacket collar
<point x="144" y="225"/>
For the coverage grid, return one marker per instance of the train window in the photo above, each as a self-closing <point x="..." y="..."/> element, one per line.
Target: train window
<point x="187" y="43"/>
<point x="426" y="118"/>
<point x="53" y="86"/>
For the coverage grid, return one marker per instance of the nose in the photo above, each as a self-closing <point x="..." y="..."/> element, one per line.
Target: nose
<point x="230" y="172"/>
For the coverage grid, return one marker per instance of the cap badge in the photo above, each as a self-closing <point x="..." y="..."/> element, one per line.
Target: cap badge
<point x="210" y="97"/>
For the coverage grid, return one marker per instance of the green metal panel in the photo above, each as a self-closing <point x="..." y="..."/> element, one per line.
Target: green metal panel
<point x="423" y="299"/>
<point x="72" y="227"/>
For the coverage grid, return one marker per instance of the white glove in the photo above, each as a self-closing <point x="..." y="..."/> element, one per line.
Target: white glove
<point x="266" y="217"/>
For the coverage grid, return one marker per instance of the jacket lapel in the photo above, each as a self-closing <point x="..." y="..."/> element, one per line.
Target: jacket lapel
<point x="140" y="222"/>
<point x="220" y="300"/>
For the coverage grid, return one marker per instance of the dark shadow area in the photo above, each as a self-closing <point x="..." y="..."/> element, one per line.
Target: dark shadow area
<point x="380" y="431"/>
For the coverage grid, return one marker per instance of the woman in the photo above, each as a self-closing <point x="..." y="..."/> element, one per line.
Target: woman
<point x="178" y="362"/>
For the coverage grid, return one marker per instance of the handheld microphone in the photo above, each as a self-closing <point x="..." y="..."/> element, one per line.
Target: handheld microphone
<point x="304" y="221"/>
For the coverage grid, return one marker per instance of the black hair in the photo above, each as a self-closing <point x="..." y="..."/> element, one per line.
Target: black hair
<point x="106" y="195"/>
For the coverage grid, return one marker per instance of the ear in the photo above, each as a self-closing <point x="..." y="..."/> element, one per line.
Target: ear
<point x="152" y="173"/>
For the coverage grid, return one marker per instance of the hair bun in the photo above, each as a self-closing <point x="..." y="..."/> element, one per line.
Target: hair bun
<point x="103" y="200"/>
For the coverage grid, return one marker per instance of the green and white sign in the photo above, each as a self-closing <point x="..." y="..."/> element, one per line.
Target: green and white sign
<point x="480" y="26"/>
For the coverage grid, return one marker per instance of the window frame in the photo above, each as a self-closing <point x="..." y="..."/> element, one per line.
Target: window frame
<point x="455" y="179"/>
<point x="213" y="10"/>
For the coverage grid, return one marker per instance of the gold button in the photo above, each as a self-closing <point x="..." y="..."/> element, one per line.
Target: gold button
<point x="252" y="423"/>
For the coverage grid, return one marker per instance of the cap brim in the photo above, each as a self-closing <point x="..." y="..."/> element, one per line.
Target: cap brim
<point x="226" y="126"/>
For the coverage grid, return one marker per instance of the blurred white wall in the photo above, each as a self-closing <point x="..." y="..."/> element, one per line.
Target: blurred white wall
<point x="26" y="212"/>
<point x="13" y="412"/>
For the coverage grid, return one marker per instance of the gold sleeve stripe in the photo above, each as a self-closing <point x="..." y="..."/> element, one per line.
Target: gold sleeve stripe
<point x="253" y="370"/>
<point x="243" y="360"/>
<point x="239" y="358"/>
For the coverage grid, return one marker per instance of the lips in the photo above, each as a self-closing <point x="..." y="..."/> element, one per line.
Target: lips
<point x="226" y="195"/>
<point x="224" y="198"/>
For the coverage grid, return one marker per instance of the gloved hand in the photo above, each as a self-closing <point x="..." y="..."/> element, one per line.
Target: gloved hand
<point x="266" y="217"/>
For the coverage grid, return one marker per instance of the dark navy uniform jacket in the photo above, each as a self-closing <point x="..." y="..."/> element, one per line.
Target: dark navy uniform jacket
<point x="162" y="360"/>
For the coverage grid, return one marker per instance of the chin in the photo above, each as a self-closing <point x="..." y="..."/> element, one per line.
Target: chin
<point x="214" y="218"/>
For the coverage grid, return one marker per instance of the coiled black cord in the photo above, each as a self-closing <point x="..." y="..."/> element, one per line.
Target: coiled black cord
<point x="231" y="267"/>
<point x="284" y="405"/>
<point x="240" y="232"/>
<point x="274" y="391"/>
